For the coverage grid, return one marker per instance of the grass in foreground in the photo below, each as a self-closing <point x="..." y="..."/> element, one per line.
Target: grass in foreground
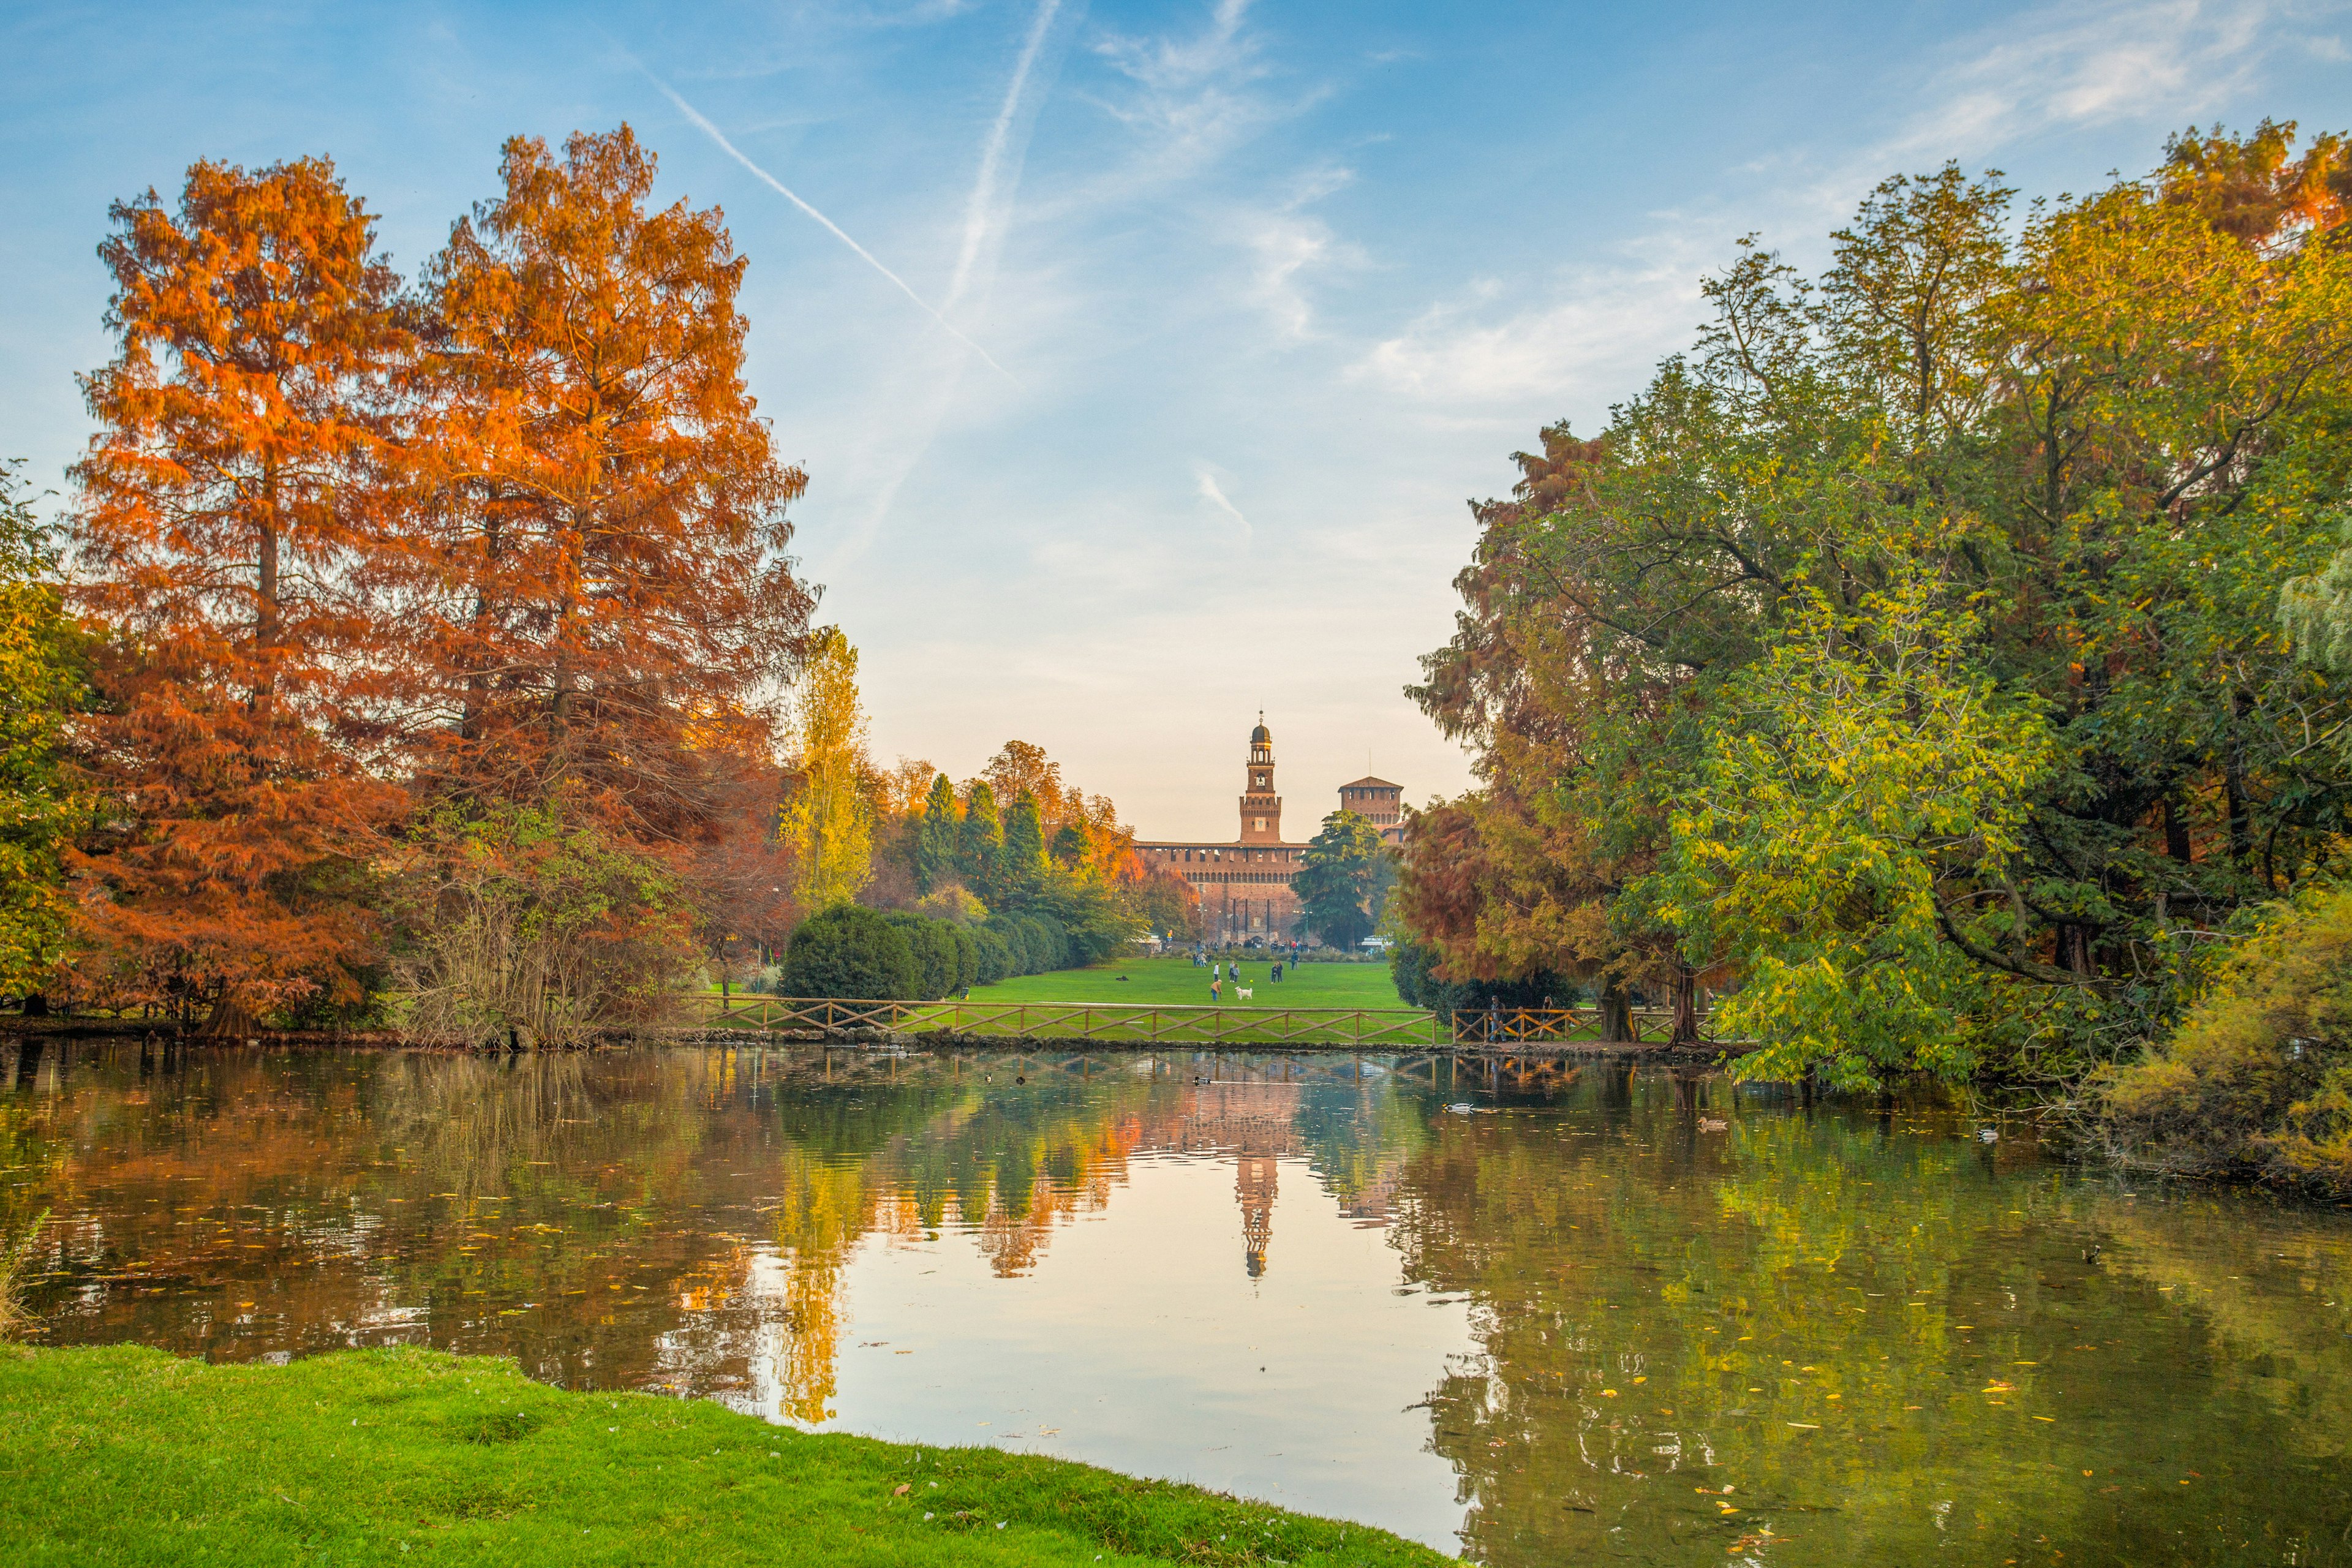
<point x="126" y="1455"/>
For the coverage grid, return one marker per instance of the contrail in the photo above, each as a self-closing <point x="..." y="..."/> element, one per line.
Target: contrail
<point x="777" y="186"/>
<point x="992" y="157"/>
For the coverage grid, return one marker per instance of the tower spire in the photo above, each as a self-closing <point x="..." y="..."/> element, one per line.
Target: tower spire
<point x="1261" y="808"/>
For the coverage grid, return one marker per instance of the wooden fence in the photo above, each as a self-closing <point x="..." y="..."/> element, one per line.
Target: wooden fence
<point x="1184" y="1024"/>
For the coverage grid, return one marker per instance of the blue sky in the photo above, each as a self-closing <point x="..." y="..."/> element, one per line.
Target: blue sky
<point x="1274" y="287"/>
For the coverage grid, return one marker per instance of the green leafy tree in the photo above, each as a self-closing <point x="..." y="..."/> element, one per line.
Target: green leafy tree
<point x="2025" y="497"/>
<point x="1864" y="767"/>
<point x="520" y="926"/>
<point x="1342" y="879"/>
<point x="40" y="685"/>
<point x="2258" y="1080"/>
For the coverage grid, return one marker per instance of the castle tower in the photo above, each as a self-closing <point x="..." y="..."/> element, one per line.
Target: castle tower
<point x="1261" y="808"/>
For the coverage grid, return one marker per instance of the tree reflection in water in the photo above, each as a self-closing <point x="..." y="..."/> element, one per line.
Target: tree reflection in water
<point x="1708" y="1324"/>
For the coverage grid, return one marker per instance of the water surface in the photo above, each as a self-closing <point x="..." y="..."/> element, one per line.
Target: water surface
<point x="1536" y="1317"/>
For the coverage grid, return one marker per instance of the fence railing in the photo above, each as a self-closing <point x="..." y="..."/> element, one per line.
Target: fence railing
<point x="1184" y="1023"/>
<point x="1569" y="1025"/>
<point x="1141" y="1023"/>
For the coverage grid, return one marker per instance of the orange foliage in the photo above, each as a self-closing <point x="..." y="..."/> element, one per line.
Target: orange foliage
<point x="218" y="521"/>
<point x="596" y="553"/>
<point x="518" y="538"/>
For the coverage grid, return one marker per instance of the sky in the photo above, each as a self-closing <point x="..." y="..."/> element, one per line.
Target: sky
<point x="1142" y="357"/>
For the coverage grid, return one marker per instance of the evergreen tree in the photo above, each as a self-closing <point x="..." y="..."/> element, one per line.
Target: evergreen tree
<point x="851" y="951"/>
<point x="936" y="840"/>
<point x="980" y="851"/>
<point x="1025" y="845"/>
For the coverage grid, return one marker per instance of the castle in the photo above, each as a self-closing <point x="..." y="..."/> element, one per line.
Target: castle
<point x="1244" y="884"/>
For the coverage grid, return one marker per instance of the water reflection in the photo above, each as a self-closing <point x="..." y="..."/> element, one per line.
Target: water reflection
<point x="1540" y="1312"/>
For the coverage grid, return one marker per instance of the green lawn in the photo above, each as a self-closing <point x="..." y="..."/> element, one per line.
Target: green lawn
<point x="1174" y="980"/>
<point x="127" y="1456"/>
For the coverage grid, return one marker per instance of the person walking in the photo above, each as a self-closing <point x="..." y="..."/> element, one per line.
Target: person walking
<point x="1213" y="998"/>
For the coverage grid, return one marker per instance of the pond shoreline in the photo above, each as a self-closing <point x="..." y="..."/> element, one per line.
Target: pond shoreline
<point x="1710" y="1056"/>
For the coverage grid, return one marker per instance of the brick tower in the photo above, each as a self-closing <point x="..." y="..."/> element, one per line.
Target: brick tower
<point x="1261" y="808"/>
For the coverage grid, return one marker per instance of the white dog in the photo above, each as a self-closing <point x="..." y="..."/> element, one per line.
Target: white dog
<point x="1243" y="992"/>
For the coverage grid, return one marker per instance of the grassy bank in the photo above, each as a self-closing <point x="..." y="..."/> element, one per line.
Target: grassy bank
<point x="1175" y="981"/>
<point x="128" y="1456"/>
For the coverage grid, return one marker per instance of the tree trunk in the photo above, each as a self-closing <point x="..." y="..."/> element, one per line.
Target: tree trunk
<point x="37" y="1005"/>
<point x="1616" y="1013"/>
<point x="2242" y="832"/>
<point x="230" y="1019"/>
<point x="1685" y="1032"/>
<point x="2176" y="829"/>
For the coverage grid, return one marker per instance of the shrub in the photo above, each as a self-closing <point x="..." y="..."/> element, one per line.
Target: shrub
<point x="1049" y="943"/>
<point x="935" y="950"/>
<point x="996" y="960"/>
<point x="517" y="920"/>
<point x="2258" y="1078"/>
<point x="967" y="948"/>
<point x="1010" y="931"/>
<point x="851" y="952"/>
<point x="1415" y="969"/>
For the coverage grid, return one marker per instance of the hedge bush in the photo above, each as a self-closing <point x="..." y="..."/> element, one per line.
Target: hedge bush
<point x="996" y="960"/>
<point x="935" y="950"/>
<point x="852" y="953"/>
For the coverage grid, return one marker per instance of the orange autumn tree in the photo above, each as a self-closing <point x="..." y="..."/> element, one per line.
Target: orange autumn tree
<point x="220" y="515"/>
<point x="596" y="606"/>
<point x="597" y="601"/>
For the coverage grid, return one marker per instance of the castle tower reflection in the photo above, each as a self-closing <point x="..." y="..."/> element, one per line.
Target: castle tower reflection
<point x="1256" y="1122"/>
<point x="1254" y="1185"/>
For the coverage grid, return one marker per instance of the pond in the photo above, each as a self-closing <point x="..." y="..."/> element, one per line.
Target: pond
<point x="1540" y="1317"/>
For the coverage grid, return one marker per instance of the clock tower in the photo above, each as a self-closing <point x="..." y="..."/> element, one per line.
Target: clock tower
<point x="1261" y="808"/>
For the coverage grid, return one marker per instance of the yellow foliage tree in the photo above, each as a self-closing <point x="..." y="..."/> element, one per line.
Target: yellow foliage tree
<point x="828" y="819"/>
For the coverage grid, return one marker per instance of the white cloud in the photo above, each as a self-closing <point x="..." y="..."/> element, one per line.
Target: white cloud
<point x="1191" y="100"/>
<point x="1603" y="325"/>
<point x="2088" y="64"/>
<point x="1210" y="490"/>
<point x="2067" y="66"/>
<point x="1287" y="245"/>
<point x="1167" y="65"/>
<point x="984" y="210"/>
